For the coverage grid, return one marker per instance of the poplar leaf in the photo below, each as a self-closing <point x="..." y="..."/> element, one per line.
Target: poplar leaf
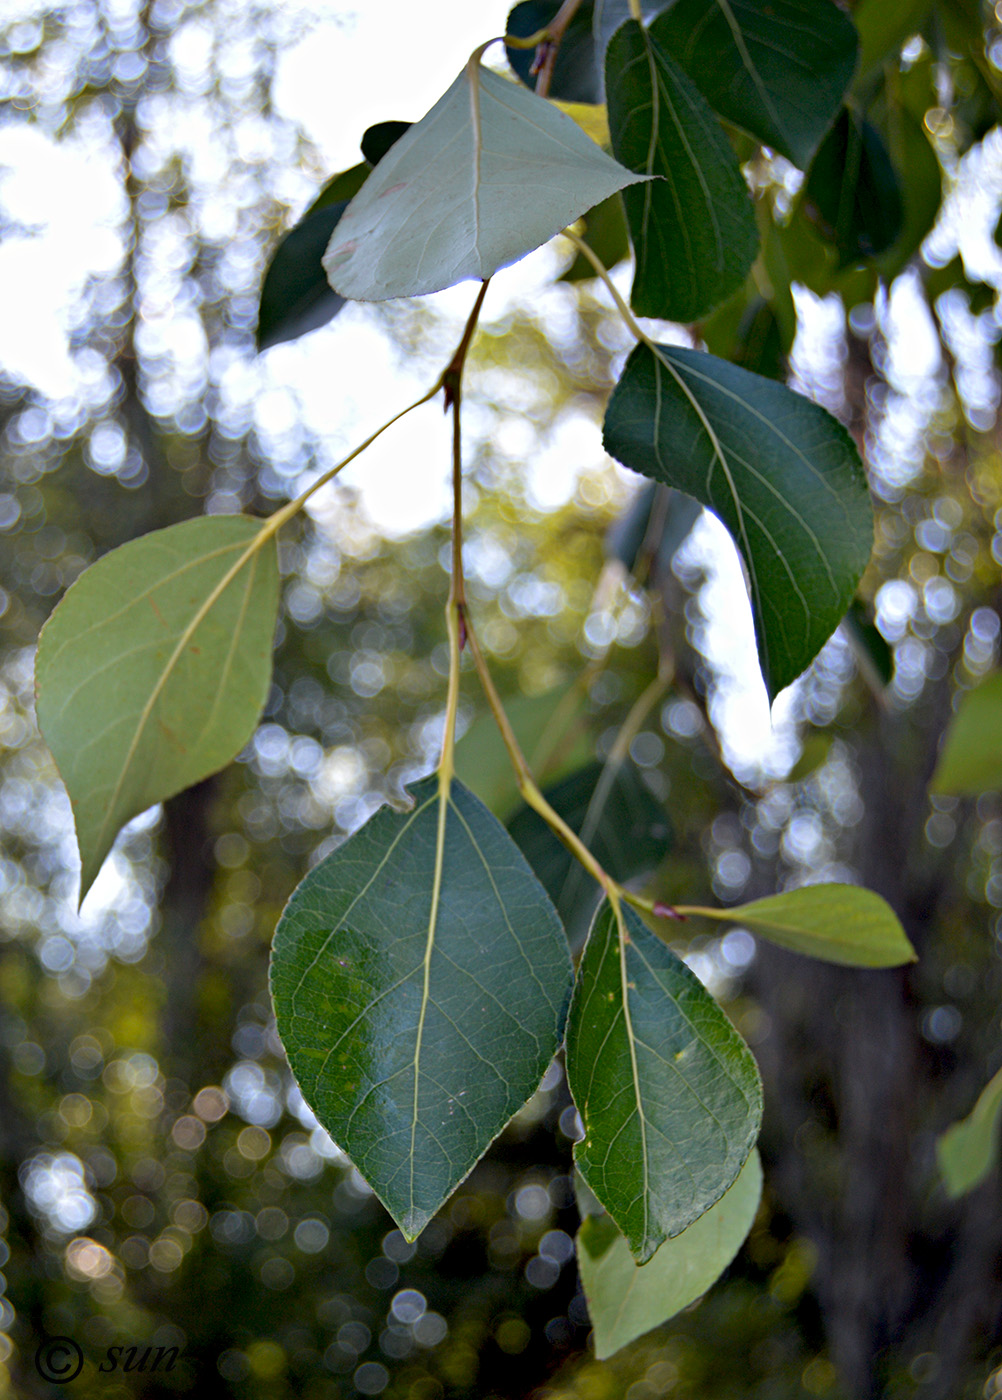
<point x="693" y="227"/>
<point x="420" y="978"/>
<point x="668" y="1092"/>
<point x="968" y="1150"/>
<point x="970" y="761"/>
<point x="626" y="1299"/>
<point x="781" y="473"/>
<point x="491" y="172"/>
<point x="153" y="669"/>
<point x="839" y="923"/>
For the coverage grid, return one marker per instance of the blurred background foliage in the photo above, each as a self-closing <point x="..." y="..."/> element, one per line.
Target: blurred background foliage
<point x="162" y="1183"/>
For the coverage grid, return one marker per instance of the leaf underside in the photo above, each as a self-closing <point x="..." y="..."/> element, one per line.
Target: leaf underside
<point x="420" y="978"/>
<point x="489" y="174"/>
<point x="668" y="1092"/>
<point x="782" y="474"/>
<point x="145" y="688"/>
<point x="626" y="1299"/>
<point x="693" y="227"/>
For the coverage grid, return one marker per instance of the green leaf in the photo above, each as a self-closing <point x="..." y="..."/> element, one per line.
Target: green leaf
<point x="778" y="71"/>
<point x="378" y="139"/>
<point x="617" y="817"/>
<point x="781" y="473"/>
<point x="908" y="96"/>
<point x="839" y="923"/>
<point x="489" y="174"/>
<point x="968" y="1150"/>
<point x="551" y="731"/>
<point x="577" y="75"/>
<point x="873" y="654"/>
<point x="606" y="235"/>
<point x="420" y="978"/>
<point x="693" y="228"/>
<point x="153" y="669"/>
<point x="668" y="1092"/>
<point x="295" y="295"/>
<point x="970" y="761"/>
<point x="852" y="191"/>
<point x="609" y="15"/>
<point x="883" y="28"/>
<point x="626" y="1299"/>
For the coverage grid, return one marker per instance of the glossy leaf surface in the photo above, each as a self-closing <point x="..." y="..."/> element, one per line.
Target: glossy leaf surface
<point x="968" y="1150"/>
<point x="782" y="474"/>
<point x="970" y="761"/>
<point x="489" y="174"/>
<point x="295" y="295"/>
<point x="779" y="71"/>
<point x="840" y="923"/>
<point x="153" y="669"/>
<point x="420" y="978"/>
<point x="617" y="817"/>
<point x="667" y="1090"/>
<point x="693" y="226"/>
<point x="626" y="1299"/>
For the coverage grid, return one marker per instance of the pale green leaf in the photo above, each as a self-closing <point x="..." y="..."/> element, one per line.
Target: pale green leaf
<point x="552" y="732"/>
<point x="626" y="1299"/>
<point x="153" y="670"/>
<point x="839" y="923"/>
<point x="970" y="761"/>
<point x="781" y="472"/>
<point x="420" y="978"/>
<point x="693" y="226"/>
<point x="668" y="1092"/>
<point x="490" y="173"/>
<point x="968" y="1150"/>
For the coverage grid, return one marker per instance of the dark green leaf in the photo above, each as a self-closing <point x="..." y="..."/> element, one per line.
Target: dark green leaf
<point x="873" y="654"/>
<point x="778" y="71"/>
<point x="379" y="138"/>
<point x="609" y="15"/>
<point x="780" y="472"/>
<point x="491" y="172"/>
<point x="968" y="1150"/>
<point x="606" y="234"/>
<point x="749" y="335"/>
<point x="970" y="761"/>
<point x="420" y="978"/>
<point x="152" y="671"/>
<point x="852" y="192"/>
<point x="668" y="1092"/>
<point x="693" y="227"/>
<point x="839" y="923"/>
<point x="577" y="75"/>
<point x="295" y="295"/>
<point x="617" y="817"/>
<point x="626" y="1299"/>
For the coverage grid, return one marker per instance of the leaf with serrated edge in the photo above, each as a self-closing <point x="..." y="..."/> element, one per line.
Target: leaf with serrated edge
<point x="420" y="978"/>
<point x="490" y="173"/>
<point x="970" y="761"/>
<point x="153" y="669"/>
<point x="668" y="1092"/>
<point x="839" y="923"/>
<point x="626" y="1299"/>
<point x="781" y="472"/>
<point x="968" y="1150"/>
<point x="779" y="71"/>
<point x="693" y="226"/>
